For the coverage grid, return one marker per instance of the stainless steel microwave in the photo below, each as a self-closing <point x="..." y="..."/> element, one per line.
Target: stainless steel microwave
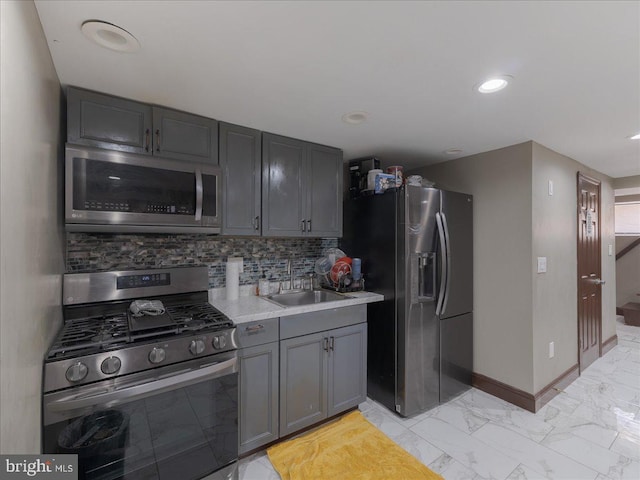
<point x="108" y="191"/>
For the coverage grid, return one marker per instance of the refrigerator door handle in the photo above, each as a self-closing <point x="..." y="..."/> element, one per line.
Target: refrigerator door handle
<point x="448" y="264"/>
<point x="443" y="272"/>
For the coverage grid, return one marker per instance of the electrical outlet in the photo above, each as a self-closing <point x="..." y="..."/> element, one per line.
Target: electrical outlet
<point x="552" y="349"/>
<point x="542" y="264"/>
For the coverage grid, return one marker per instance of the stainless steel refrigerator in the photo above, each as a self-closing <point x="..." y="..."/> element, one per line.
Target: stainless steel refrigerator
<point x="416" y="245"/>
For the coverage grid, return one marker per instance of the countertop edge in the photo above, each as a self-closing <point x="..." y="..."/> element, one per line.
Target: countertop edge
<point x="251" y="308"/>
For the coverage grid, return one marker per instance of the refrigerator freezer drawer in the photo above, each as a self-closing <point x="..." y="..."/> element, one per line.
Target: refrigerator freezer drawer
<point x="456" y="355"/>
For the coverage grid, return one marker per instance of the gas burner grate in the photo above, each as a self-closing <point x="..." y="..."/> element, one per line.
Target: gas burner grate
<point x="91" y="333"/>
<point x="198" y="316"/>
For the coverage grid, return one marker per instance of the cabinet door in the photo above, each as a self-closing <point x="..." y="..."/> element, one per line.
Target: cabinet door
<point x="303" y="376"/>
<point x="184" y="136"/>
<point x="104" y="121"/>
<point x="283" y="203"/>
<point x="258" y="395"/>
<point x="347" y="380"/>
<point x="240" y="159"/>
<point x="324" y="192"/>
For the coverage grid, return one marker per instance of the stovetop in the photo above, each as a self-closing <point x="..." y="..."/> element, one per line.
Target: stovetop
<point x="111" y="331"/>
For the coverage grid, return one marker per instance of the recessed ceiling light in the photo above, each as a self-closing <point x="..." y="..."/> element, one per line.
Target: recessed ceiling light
<point x="355" y="118"/>
<point x="635" y="137"/>
<point x="453" y="151"/>
<point x="494" y="84"/>
<point x="110" y="36"/>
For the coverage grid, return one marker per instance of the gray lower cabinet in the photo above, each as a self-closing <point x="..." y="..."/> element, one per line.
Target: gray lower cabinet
<point x="301" y="188"/>
<point x="258" y="383"/>
<point x="258" y="396"/>
<point x="240" y="160"/>
<point x="100" y="120"/>
<point x="321" y="374"/>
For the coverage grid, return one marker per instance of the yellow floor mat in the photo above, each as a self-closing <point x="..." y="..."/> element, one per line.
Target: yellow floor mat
<point x="348" y="449"/>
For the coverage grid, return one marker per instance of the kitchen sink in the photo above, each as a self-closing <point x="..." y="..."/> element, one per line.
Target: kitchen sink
<point x="295" y="299"/>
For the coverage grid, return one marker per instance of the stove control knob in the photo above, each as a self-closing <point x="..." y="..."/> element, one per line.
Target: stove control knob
<point x="110" y="365"/>
<point x="196" y="347"/>
<point x="157" y="355"/>
<point x="76" y="372"/>
<point x="219" y="342"/>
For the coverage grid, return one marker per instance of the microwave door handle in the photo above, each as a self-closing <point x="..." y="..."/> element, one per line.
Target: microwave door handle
<point x="199" y="195"/>
<point x="146" y="388"/>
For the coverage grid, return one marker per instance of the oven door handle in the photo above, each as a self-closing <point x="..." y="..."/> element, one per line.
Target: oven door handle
<point x="146" y="388"/>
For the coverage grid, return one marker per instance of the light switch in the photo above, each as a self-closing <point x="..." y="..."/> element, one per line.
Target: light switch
<point x="550" y="187"/>
<point x="542" y="264"/>
<point x="610" y="250"/>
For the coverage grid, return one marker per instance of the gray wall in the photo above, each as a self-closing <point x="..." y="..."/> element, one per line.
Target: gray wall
<point x="517" y="311"/>
<point x="31" y="249"/>
<point x="554" y="233"/>
<point x="500" y="182"/>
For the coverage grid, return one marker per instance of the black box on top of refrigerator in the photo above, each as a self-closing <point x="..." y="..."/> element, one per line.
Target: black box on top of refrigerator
<point x="358" y="170"/>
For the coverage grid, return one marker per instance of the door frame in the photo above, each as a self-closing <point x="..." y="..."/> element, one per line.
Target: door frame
<point x="597" y="182"/>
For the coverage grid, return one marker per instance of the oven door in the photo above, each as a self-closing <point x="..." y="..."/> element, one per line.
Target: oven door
<point x="179" y="421"/>
<point x="109" y="191"/>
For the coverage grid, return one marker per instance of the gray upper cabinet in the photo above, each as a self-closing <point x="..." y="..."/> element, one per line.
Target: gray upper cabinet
<point x="114" y="123"/>
<point x="282" y="193"/>
<point x="324" y="195"/>
<point x="104" y="121"/>
<point x="184" y="136"/>
<point x="301" y="188"/>
<point x="241" y="160"/>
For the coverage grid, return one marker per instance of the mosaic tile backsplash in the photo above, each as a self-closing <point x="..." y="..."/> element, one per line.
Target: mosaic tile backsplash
<point x="101" y="252"/>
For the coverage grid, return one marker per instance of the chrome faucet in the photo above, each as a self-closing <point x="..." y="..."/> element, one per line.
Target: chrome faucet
<point x="290" y="272"/>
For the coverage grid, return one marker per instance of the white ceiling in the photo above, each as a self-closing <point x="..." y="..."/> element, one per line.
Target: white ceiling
<point x="295" y="68"/>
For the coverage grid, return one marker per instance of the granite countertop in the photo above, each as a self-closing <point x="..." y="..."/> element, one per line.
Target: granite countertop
<point x="248" y="308"/>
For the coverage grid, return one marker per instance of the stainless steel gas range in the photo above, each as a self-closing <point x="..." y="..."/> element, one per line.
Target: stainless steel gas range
<point x="141" y="381"/>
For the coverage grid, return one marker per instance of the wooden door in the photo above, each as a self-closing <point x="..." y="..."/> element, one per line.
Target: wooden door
<point x="589" y="271"/>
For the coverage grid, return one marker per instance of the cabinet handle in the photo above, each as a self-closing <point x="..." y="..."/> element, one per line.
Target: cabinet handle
<point x="158" y="140"/>
<point x="256" y="223"/>
<point x="303" y="225"/>
<point x="147" y="140"/>
<point x="331" y="342"/>
<point x="308" y="225"/>
<point x="325" y="344"/>
<point x="254" y="328"/>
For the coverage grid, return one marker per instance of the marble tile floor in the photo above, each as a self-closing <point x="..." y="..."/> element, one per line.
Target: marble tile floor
<point x="591" y="431"/>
